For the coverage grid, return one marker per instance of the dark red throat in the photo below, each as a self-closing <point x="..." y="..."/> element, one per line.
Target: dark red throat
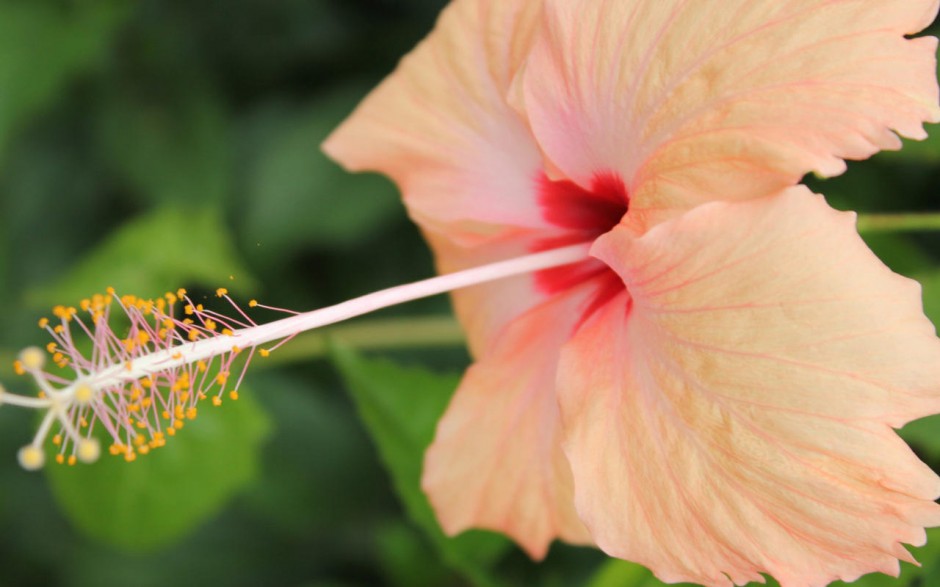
<point x="582" y="215"/>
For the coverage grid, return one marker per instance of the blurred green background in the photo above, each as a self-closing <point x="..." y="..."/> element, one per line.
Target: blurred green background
<point x="156" y="144"/>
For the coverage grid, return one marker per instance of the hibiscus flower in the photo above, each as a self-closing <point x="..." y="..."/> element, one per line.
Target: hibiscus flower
<point x="714" y="392"/>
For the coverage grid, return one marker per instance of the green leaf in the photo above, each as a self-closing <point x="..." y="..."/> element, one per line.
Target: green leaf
<point x="44" y="44"/>
<point x="295" y="195"/>
<point x="924" y="434"/>
<point x="400" y="407"/>
<point x="405" y="558"/>
<point x="899" y="252"/>
<point x="931" y="284"/>
<point x="169" y="148"/>
<point x="165" y="249"/>
<point x="620" y="573"/>
<point x="158" y="498"/>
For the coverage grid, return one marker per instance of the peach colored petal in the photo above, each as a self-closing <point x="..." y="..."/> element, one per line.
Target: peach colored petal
<point x="733" y="414"/>
<point x="691" y="101"/>
<point x="496" y="461"/>
<point x="440" y="127"/>
<point x="485" y="309"/>
<point x="465" y="162"/>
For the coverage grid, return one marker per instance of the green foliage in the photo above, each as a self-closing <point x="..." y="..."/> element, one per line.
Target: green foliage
<point x="618" y="573"/>
<point x="401" y="407"/>
<point x="42" y="47"/>
<point x="159" y="497"/>
<point x="169" y="148"/>
<point x="172" y="246"/>
<point x="297" y="196"/>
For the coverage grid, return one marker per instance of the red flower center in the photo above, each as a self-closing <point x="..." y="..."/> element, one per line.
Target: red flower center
<point x="583" y="215"/>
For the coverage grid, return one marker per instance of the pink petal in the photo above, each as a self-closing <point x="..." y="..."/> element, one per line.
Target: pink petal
<point x="464" y="160"/>
<point x="690" y="101"/>
<point x="440" y="127"/>
<point x="496" y="461"/>
<point x="732" y="415"/>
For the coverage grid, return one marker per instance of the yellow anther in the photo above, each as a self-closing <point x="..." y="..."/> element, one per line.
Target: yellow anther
<point x="228" y="332"/>
<point x="161" y="305"/>
<point x="18" y="367"/>
<point x="146" y="402"/>
<point x="129" y="344"/>
<point x="210" y="324"/>
<point x="189" y="310"/>
<point x="178" y="412"/>
<point x="43" y="323"/>
<point x="193" y="335"/>
<point x="216" y="401"/>
<point x="171" y="431"/>
<point x="72" y="460"/>
<point x="146" y="382"/>
<point x="59" y="329"/>
<point x="84" y="394"/>
<point x="264" y="352"/>
<point x="31" y="457"/>
<point x="57" y="439"/>
<point x="60" y="458"/>
<point x="32" y="358"/>
<point x="139" y="440"/>
<point x="130" y="456"/>
<point x="201" y="365"/>
<point x="85" y="305"/>
<point x="165" y="414"/>
<point x="58" y="358"/>
<point x="88" y="450"/>
<point x="171" y="298"/>
<point x="143" y="337"/>
<point x="110" y="291"/>
<point x="191" y="413"/>
<point x="181" y="293"/>
<point x="141" y="424"/>
<point x="236" y="349"/>
<point x="143" y="449"/>
<point x="51" y="347"/>
<point x="221" y="292"/>
<point x="252" y="303"/>
<point x="116" y="449"/>
<point x="234" y="395"/>
<point x="178" y="425"/>
<point x="129" y="366"/>
<point x="221" y="378"/>
<point x="133" y="408"/>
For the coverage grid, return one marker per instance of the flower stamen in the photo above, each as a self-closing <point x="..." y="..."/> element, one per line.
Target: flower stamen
<point x="144" y="385"/>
